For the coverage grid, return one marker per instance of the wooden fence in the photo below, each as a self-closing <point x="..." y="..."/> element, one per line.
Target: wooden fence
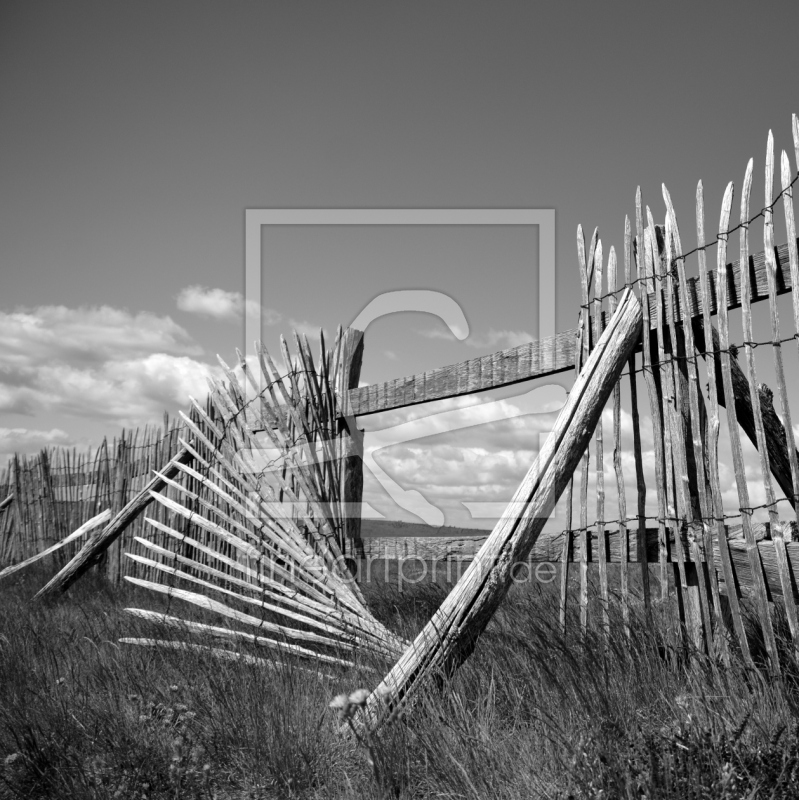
<point x="702" y="369"/>
<point x="53" y="493"/>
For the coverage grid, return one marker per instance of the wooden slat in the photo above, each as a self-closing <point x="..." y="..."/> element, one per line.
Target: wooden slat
<point x="697" y="594"/>
<point x="556" y="354"/>
<point x="779" y="542"/>
<point x="566" y="555"/>
<point x="654" y="402"/>
<point x="100" y="540"/>
<point x="638" y="455"/>
<point x="714" y="394"/>
<point x="585" y="349"/>
<point x="688" y="371"/>
<point x="621" y="498"/>
<point x="600" y="457"/>
<point x="760" y="592"/>
<point x="665" y="400"/>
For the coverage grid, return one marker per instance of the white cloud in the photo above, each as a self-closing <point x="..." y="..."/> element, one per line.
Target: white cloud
<point x="96" y="363"/>
<point x="486" y="462"/>
<point x="222" y="305"/>
<point x="390" y="354"/>
<point x="27" y="441"/>
<point x="87" y="336"/>
<point x="497" y="339"/>
<point x="307" y="328"/>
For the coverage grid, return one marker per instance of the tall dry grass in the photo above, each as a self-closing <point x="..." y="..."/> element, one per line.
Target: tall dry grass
<point x="533" y="713"/>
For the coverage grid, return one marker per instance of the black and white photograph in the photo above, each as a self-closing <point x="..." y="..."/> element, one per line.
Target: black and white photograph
<point x="399" y="400"/>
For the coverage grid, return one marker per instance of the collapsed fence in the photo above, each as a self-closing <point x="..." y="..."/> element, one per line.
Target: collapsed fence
<point x="277" y="542"/>
<point x="51" y="494"/>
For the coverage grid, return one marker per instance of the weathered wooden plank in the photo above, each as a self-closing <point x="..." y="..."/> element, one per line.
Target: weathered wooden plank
<point x="100" y="540"/>
<point x="735" y="444"/>
<point x="621" y="496"/>
<point x="487" y="372"/>
<point x="675" y="510"/>
<point x="449" y="638"/>
<point x="639" y="464"/>
<point x="687" y="373"/>
<point x="549" y="546"/>
<point x="697" y="594"/>
<point x="779" y="542"/>
<point x="556" y="354"/>
<point x="600" y="457"/>
<point x="714" y="399"/>
<point x="586" y="265"/>
<point x="645" y="269"/>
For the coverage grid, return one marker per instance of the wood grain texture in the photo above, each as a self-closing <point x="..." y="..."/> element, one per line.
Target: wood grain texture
<point x="448" y="639"/>
<point x="600" y="457"/>
<point x="686" y="371"/>
<point x="351" y="456"/>
<point x="760" y="593"/>
<point x="99" y="541"/>
<point x="779" y="543"/>
<point x="715" y="396"/>
<point x="644" y="267"/>
<point x="637" y="450"/>
<point x="678" y="491"/>
<point x="586" y="269"/>
<point x="549" y="546"/>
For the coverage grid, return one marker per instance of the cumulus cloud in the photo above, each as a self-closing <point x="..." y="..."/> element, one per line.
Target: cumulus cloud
<point x="456" y="451"/>
<point x="470" y="473"/>
<point x="222" y="305"/>
<point x="97" y="363"/>
<point x="86" y="336"/>
<point x="497" y="339"/>
<point x="307" y="328"/>
<point x="27" y="441"/>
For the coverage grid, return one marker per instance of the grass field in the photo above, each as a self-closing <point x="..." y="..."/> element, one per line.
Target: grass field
<point x="533" y="713"/>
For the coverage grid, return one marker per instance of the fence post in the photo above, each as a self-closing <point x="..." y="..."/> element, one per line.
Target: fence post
<point x="350" y="446"/>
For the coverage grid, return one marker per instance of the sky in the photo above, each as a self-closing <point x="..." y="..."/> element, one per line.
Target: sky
<point x="134" y="137"/>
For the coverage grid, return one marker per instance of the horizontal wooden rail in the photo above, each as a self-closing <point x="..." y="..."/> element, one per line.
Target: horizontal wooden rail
<point x="551" y="355"/>
<point x="549" y="548"/>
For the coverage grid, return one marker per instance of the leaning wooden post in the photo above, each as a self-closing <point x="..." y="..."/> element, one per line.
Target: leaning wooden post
<point x="450" y="636"/>
<point x="99" y="541"/>
<point x="350" y="446"/>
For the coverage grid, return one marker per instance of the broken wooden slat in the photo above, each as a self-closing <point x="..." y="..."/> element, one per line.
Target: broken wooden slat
<point x="451" y="634"/>
<point x="100" y="541"/>
<point x="91" y="524"/>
